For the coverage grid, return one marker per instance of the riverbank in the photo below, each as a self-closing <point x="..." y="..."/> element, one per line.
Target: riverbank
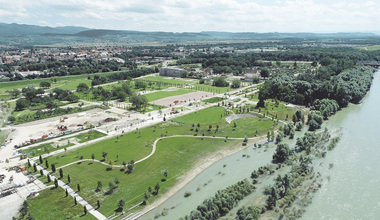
<point x="198" y="168"/>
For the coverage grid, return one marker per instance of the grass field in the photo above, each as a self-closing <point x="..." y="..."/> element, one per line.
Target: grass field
<point x="205" y="116"/>
<point x="164" y="94"/>
<point x="52" y="204"/>
<point x="184" y="153"/>
<point x="43" y="149"/>
<point x="64" y="82"/>
<point x="371" y="48"/>
<point x="91" y="135"/>
<point x="214" y="100"/>
<point x="193" y="82"/>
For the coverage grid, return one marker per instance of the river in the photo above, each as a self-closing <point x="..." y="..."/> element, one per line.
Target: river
<point x="351" y="189"/>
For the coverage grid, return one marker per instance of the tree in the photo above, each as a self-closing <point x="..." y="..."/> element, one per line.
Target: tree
<point x="82" y="87"/>
<point x="279" y="137"/>
<point x="99" y="187"/>
<point x="282" y="153"/>
<point x="112" y="186"/>
<point x="131" y="167"/>
<point x="157" y="188"/>
<point x="48" y="178"/>
<point x="68" y="178"/>
<point x="41" y="172"/>
<point x="166" y="173"/>
<point x="47" y="164"/>
<point x="124" y="164"/>
<point x="40" y="158"/>
<point x="235" y="83"/>
<point x="85" y="210"/>
<point x="264" y="73"/>
<point x="45" y="84"/>
<point x="220" y="82"/>
<point x="104" y="155"/>
<point x="35" y="167"/>
<point x="53" y="168"/>
<point x="139" y="101"/>
<point x="78" y="187"/>
<point x="75" y="200"/>
<point x="93" y="157"/>
<point x="72" y="98"/>
<point x="56" y="183"/>
<point x="67" y="193"/>
<point x="15" y="93"/>
<point x="51" y="105"/>
<point x="121" y="203"/>
<point x="98" y="204"/>
<point x="60" y="173"/>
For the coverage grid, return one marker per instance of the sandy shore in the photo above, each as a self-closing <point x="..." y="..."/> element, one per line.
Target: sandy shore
<point x="198" y="168"/>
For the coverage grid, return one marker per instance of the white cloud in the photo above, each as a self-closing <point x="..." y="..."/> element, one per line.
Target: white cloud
<point x="199" y="15"/>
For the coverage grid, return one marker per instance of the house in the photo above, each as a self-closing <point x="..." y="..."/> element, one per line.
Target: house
<point x="250" y="74"/>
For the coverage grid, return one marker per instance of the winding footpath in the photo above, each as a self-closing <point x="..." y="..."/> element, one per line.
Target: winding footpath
<point x="153" y="150"/>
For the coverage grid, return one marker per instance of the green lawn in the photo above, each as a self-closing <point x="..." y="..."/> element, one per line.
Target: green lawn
<point x="184" y="152"/>
<point x="52" y="204"/>
<point x="175" y="154"/>
<point x="164" y="94"/>
<point x="65" y="82"/>
<point x="166" y="82"/>
<point x="205" y="116"/>
<point x="43" y="149"/>
<point x="91" y="135"/>
<point x="214" y="100"/>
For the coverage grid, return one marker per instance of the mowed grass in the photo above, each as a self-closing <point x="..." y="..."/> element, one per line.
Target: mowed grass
<point x="192" y="82"/>
<point x="52" y="204"/>
<point x="88" y="136"/>
<point x="184" y="152"/>
<point x="175" y="154"/>
<point x="64" y="82"/>
<point x="164" y="94"/>
<point x="205" y="116"/>
<point x="43" y="149"/>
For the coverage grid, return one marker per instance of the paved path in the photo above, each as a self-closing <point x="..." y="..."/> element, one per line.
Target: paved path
<point x="73" y="194"/>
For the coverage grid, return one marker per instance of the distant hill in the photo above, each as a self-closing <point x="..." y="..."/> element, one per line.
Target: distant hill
<point x="30" y="35"/>
<point x="13" y="29"/>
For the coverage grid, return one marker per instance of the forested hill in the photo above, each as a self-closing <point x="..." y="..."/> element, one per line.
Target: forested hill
<point x="30" y="35"/>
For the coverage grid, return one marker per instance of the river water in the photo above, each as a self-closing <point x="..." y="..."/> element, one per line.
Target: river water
<point x="351" y="189"/>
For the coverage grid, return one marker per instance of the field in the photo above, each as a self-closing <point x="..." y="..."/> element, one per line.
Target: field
<point x="43" y="149"/>
<point x="371" y="48"/>
<point x="184" y="152"/>
<point x="91" y="135"/>
<point x="64" y="82"/>
<point x="59" y="207"/>
<point x="181" y="83"/>
<point x="163" y="94"/>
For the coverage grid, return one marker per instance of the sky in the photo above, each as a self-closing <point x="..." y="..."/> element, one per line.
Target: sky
<point x="319" y="16"/>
